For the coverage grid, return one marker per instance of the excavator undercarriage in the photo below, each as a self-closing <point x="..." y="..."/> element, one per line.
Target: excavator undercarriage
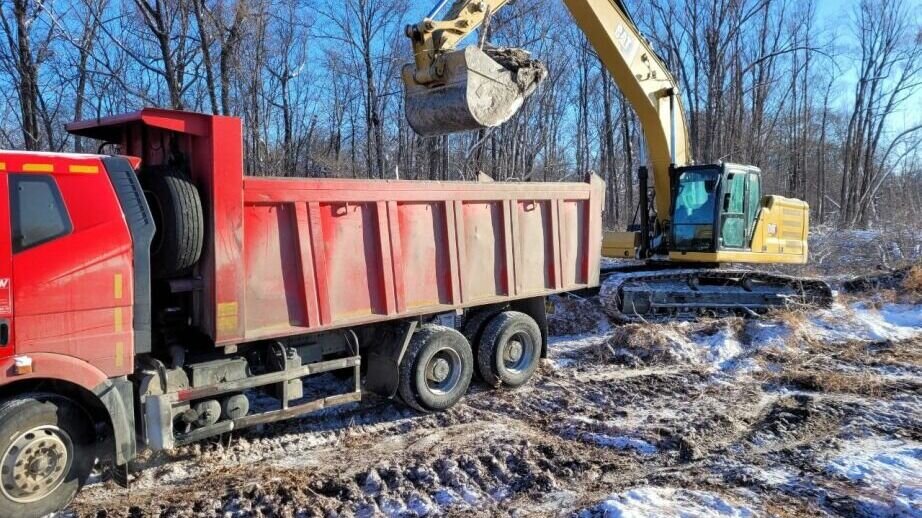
<point x="668" y="292"/>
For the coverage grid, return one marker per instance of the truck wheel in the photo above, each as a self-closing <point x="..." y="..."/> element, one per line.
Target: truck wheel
<point x="436" y="369"/>
<point x="473" y="330"/>
<point x="509" y="350"/>
<point x="46" y="454"/>
<point x="177" y="210"/>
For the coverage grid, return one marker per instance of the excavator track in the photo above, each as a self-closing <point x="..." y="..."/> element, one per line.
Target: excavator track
<point x="686" y="293"/>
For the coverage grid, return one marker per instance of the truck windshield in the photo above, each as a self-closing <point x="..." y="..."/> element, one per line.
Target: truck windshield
<point x="693" y="217"/>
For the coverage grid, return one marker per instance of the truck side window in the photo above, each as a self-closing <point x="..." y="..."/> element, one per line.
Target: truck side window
<point x="37" y="211"/>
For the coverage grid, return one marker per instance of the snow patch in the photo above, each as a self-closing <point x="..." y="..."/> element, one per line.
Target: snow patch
<point x="891" y="467"/>
<point x="620" y="442"/>
<point x="890" y="322"/>
<point x="723" y="348"/>
<point x="666" y="502"/>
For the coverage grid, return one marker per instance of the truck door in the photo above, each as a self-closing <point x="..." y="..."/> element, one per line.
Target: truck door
<point x="71" y="261"/>
<point x="733" y="223"/>
<point x="6" y="271"/>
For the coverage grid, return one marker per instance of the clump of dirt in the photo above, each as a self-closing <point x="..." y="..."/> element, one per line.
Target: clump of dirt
<point x="574" y="316"/>
<point x="636" y="345"/>
<point x="907" y="280"/>
<point x="791" y="420"/>
<point x="528" y="71"/>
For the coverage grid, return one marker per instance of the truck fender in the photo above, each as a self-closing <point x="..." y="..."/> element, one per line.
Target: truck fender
<point x="113" y="395"/>
<point x="116" y="395"/>
<point x="54" y="367"/>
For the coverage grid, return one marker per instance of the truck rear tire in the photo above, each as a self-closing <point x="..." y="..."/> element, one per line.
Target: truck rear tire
<point x="177" y="210"/>
<point x="46" y="454"/>
<point x="436" y="369"/>
<point x="509" y="350"/>
<point x="472" y="329"/>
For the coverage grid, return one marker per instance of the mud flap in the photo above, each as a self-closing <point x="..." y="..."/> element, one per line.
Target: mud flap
<point x="159" y="422"/>
<point x="116" y="395"/>
<point x="384" y="361"/>
<point x="475" y="91"/>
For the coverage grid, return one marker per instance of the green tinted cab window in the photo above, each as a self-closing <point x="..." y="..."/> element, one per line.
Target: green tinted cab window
<point x="694" y="210"/>
<point x="733" y="227"/>
<point x="737" y="193"/>
<point x="755" y="199"/>
<point x="38" y="214"/>
<point x="695" y="199"/>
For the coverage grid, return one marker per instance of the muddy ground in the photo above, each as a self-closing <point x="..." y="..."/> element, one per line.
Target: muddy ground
<point x="800" y="413"/>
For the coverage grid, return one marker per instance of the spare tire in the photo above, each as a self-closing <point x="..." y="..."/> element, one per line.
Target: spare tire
<point x="176" y="207"/>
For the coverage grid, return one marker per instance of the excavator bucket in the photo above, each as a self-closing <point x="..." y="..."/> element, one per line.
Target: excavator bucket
<point x="477" y="89"/>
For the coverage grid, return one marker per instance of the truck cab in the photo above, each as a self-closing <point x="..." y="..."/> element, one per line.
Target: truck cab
<point x="69" y="321"/>
<point x="66" y="260"/>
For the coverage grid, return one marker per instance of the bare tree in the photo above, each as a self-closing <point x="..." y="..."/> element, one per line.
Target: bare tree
<point x="17" y="23"/>
<point x="889" y="73"/>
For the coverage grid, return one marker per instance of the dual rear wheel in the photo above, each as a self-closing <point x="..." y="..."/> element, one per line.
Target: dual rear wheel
<point x="439" y="363"/>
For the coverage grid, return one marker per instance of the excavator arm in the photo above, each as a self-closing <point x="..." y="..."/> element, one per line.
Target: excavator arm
<point x="433" y="38"/>
<point x="451" y="90"/>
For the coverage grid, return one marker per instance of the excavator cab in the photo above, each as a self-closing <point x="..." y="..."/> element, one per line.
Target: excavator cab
<point x="719" y="215"/>
<point x="715" y="207"/>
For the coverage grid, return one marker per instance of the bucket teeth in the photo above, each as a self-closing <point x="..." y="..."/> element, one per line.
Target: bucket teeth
<point x="475" y="90"/>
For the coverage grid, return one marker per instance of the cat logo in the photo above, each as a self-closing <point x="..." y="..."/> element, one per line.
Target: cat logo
<point x="772" y="229"/>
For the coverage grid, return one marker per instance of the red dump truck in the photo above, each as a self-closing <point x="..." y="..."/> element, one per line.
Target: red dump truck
<point x="147" y="297"/>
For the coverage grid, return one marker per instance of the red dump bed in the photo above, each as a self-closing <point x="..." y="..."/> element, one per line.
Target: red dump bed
<point x="287" y="256"/>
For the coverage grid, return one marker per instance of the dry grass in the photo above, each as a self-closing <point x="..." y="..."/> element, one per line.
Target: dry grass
<point x="912" y="284"/>
<point x="848" y="368"/>
<point x="666" y="343"/>
<point x="863" y="383"/>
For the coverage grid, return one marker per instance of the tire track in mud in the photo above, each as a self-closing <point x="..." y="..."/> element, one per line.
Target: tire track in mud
<point x="561" y="443"/>
<point x="497" y="451"/>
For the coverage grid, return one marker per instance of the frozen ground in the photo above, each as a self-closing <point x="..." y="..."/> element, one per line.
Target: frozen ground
<point x="797" y="414"/>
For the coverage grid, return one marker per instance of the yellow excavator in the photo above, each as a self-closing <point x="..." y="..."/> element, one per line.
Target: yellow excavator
<point x="703" y="217"/>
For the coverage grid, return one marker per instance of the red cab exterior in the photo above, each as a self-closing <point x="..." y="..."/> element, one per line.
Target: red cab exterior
<point x="67" y="300"/>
